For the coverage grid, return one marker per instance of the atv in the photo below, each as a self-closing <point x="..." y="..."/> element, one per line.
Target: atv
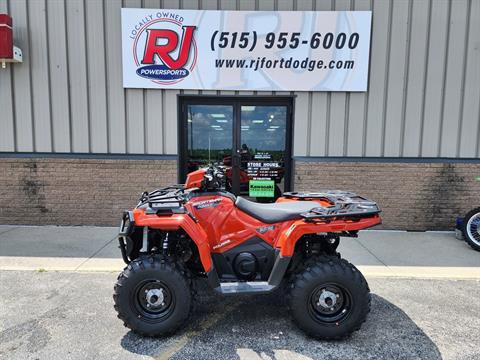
<point x="199" y="230"/>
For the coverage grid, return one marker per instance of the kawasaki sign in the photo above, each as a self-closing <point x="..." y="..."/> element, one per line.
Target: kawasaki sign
<point x="246" y="50"/>
<point x="261" y="188"/>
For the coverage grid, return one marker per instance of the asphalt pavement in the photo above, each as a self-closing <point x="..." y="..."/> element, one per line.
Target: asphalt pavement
<point x="56" y="302"/>
<point x="65" y="315"/>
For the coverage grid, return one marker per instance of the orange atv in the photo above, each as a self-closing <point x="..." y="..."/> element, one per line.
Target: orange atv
<point x="239" y="246"/>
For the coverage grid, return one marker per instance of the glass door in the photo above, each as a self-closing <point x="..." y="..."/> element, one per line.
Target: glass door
<point x="249" y="136"/>
<point x="209" y="135"/>
<point x="263" y="149"/>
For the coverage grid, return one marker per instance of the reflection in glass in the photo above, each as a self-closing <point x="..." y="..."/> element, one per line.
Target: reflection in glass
<point x="262" y="142"/>
<point x="263" y="139"/>
<point x="209" y="135"/>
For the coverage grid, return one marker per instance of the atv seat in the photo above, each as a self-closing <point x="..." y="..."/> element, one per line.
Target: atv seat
<point x="275" y="212"/>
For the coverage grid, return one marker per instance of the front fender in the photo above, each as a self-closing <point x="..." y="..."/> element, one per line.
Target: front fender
<point x="177" y="222"/>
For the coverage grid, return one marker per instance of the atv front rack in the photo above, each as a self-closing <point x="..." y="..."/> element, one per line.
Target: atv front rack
<point x="165" y="200"/>
<point x="344" y="204"/>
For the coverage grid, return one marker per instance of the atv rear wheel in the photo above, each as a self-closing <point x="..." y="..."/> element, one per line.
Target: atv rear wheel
<point x="471" y="228"/>
<point x="328" y="298"/>
<point x="153" y="296"/>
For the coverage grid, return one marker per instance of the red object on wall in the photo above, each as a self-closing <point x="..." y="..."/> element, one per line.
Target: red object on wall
<point x="6" y="38"/>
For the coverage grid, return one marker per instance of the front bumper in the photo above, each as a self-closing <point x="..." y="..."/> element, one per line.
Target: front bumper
<point x="126" y="228"/>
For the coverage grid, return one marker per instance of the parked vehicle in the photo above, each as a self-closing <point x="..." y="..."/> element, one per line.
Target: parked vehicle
<point x="471" y="228"/>
<point x="199" y="230"/>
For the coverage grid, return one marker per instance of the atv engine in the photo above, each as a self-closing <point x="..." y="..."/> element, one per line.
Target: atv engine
<point x="245" y="266"/>
<point x="253" y="260"/>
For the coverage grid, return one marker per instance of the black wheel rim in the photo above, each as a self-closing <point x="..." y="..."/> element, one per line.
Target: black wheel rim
<point x="153" y="300"/>
<point x="330" y="303"/>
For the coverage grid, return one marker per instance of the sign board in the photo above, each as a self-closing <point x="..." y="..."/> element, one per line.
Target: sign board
<point x="246" y="50"/>
<point x="261" y="188"/>
<point x="259" y="170"/>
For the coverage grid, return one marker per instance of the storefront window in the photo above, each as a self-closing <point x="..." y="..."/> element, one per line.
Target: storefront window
<point x="263" y="143"/>
<point x="247" y="137"/>
<point x="210" y="129"/>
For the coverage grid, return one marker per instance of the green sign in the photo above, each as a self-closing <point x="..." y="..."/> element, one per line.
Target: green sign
<point x="261" y="188"/>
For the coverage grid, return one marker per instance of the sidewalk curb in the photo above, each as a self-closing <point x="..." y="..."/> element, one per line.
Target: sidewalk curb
<point x="92" y="265"/>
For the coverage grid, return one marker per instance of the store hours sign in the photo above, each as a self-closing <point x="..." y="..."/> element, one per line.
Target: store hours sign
<point x="246" y="50"/>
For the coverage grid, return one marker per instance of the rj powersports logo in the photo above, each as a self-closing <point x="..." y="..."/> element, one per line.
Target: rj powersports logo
<point x="164" y="49"/>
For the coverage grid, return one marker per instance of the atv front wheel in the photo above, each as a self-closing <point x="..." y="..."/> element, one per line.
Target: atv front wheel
<point x="329" y="298"/>
<point x="471" y="228"/>
<point x="153" y="296"/>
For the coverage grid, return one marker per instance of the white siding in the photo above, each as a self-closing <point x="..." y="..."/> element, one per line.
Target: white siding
<point x="67" y="96"/>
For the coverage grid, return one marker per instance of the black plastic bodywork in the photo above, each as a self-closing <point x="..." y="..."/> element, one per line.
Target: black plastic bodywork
<point x="228" y="267"/>
<point x="279" y="269"/>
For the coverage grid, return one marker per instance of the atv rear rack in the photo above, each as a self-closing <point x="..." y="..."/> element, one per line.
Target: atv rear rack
<point x="344" y="204"/>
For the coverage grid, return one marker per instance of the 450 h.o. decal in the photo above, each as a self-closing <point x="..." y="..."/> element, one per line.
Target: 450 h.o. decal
<point x="165" y="51"/>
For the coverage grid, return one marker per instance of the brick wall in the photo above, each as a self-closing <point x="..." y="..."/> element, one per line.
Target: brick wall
<point x="76" y="191"/>
<point x="413" y="196"/>
<point x="95" y="192"/>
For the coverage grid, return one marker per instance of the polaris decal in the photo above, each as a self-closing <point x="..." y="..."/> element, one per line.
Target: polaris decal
<point x="206" y="204"/>
<point x="223" y="243"/>
<point x="264" y="229"/>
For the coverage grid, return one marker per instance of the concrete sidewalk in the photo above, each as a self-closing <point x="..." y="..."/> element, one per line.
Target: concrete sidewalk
<point x="375" y="253"/>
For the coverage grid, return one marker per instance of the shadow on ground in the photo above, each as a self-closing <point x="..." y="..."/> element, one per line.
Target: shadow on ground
<point x="259" y="327"/>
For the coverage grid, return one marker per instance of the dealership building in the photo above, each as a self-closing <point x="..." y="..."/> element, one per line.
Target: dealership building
<point x="112" y="98"/>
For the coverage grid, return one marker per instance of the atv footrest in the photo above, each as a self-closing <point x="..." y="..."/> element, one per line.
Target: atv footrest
<point x="249" y="287"/>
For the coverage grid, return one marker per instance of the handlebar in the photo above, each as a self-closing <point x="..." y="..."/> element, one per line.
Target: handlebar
<point x="214" y="178"/>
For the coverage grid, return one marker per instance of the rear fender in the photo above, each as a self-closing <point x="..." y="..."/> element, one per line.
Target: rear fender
<point x="289" y="237"/>
<point x="177" y="222"/>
